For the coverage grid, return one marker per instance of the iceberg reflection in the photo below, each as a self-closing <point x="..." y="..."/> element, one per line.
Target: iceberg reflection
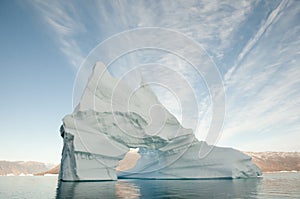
<point x="100" y="189"/>
<point x="132" y="189"/>
<point x="127" y="190"/>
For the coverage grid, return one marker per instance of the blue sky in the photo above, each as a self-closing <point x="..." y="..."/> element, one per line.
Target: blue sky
<point x="254" y="44"/>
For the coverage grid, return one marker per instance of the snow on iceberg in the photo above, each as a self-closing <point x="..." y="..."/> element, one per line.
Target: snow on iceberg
<point x="106" y="124"/>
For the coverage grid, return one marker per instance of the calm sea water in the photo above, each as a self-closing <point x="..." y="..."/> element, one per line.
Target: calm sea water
<point x="272" y="185"/>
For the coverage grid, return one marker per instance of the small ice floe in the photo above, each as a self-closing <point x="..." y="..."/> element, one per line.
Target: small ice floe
<point x="292" y="171"/>
<point x="49" y="174"/>
<point x="25" y="174"/>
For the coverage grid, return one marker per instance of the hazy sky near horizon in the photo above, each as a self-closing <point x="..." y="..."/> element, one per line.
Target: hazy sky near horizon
<point x="254" y="44"/>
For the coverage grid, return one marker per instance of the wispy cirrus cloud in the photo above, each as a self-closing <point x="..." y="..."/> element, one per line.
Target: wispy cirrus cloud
<point x="63" y="20"/>
<point x="79" y="24"/>
<point x="263" y="94"/>
<point x="256" y="37"/>
<point x="255" y="45"/>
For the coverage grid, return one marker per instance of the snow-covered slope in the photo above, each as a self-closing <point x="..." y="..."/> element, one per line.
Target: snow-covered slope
<point x="113" y="117"/>
<point x="276" y="161"/>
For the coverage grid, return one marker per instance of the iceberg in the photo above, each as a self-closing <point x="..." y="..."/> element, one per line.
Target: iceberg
<point x="112" y="117"/>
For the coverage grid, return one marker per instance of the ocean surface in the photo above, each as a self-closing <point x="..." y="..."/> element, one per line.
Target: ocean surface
<point x="271" y="185"/>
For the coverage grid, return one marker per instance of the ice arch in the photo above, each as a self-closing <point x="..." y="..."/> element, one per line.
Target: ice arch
<point x="102" y="128"/>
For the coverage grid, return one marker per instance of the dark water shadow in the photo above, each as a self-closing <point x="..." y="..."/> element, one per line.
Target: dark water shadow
<point x="130" y="189"/>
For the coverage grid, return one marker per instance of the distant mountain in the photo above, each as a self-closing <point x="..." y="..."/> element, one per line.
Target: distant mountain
<point x="276" y="161"/>
<point x="54" y="170"/>
<point x="22" y="167"/>
<point x="267" y="161"/>
<point x="128" y="161"/>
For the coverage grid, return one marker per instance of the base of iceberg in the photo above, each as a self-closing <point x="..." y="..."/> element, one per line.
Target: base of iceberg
<point x="101" y="130"/>
<point x="220" y="163"/>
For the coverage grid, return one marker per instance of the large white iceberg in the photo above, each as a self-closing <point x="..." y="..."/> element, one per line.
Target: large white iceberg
<point x="106" y="124"/>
